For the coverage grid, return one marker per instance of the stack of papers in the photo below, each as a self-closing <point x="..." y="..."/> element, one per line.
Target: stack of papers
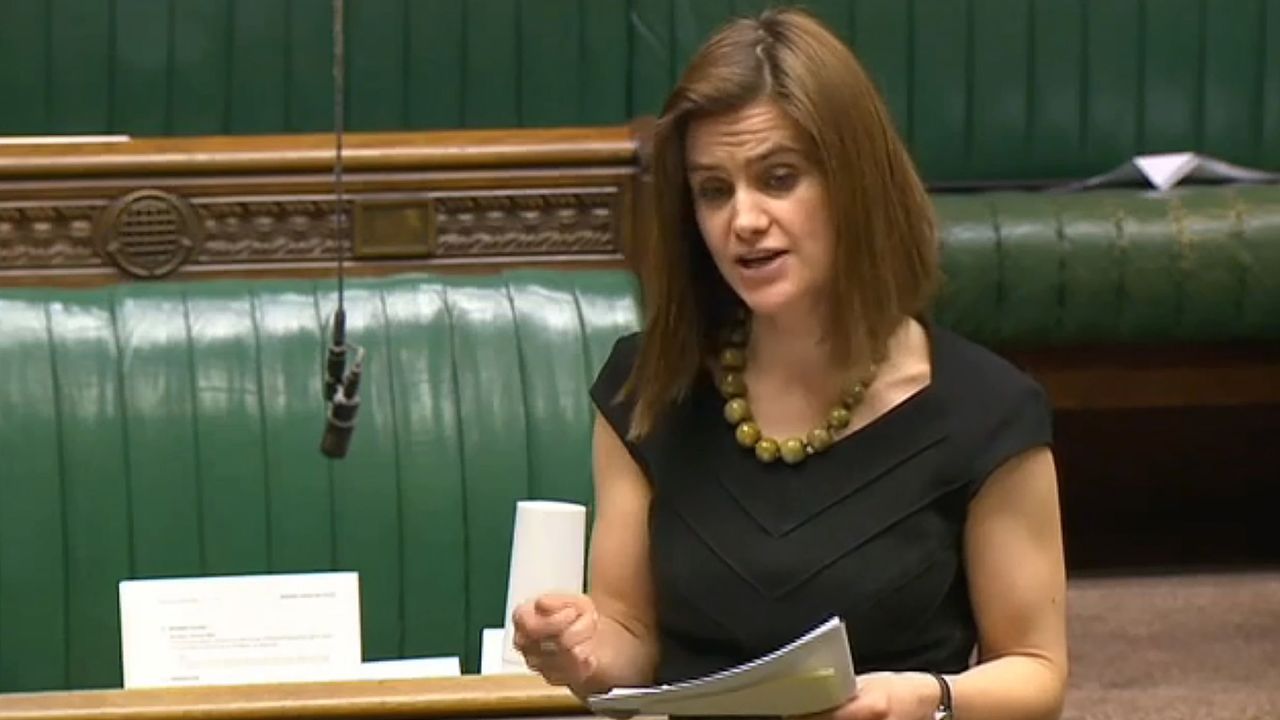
<point x="811" y="674"/>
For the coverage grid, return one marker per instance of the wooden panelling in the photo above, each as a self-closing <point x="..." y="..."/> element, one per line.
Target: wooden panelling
<point x="211" y="205"/>
<point x="1156" y="376"/>
<point x="1169" y="488"/>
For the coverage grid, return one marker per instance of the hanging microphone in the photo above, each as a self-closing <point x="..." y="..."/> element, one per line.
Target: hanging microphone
<point x="341" y="389"/>
<point x="341" y="384"/>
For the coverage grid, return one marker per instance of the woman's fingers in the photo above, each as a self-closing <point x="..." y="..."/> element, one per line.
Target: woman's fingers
<point x="553" y="632"/>
<point x="532" y="626"/>
<point x="582" y="629"/>
<point x="563" y="665"/>
<point x="551" y="603"/>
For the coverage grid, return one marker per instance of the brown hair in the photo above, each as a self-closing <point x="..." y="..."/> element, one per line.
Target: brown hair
<point x="886" y="251"/>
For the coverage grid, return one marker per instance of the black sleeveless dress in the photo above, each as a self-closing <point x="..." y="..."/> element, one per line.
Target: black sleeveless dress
<point x="747" y="557"/>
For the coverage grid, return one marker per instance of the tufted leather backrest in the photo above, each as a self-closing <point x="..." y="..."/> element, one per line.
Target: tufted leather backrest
<point x="1000" y="90"/>
<point x="983" y="90"/>
<point x="1195" y="264"/>
<point x="173" y="429"/>
<point x="160" y="430"/>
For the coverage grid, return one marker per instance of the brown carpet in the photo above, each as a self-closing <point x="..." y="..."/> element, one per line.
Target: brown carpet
<point x="1202" y="646"/>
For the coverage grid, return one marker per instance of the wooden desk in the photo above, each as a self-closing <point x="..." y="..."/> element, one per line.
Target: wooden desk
<point x="467" y="696"/>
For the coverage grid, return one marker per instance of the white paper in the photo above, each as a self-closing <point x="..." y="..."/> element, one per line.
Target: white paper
<point x="61" y="139"/>
<point x="547" y="556"/>
<point x="409" y="668"/>
<point x="220" y="630"/>
<point x="822" y="653"/>
<point x="1164" y="170"/>
<point x="491" y="650"/>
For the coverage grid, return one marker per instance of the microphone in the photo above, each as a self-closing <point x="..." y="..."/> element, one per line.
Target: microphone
<point x="341" y="384"/>
<point x="341" y="390"/>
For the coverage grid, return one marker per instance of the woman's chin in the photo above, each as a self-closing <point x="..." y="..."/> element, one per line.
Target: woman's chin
<point x="773" y="302"/>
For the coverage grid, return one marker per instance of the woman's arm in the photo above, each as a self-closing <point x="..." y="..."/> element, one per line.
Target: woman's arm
<point x="602" y="639"/>
<point x="1017" y="582"/>
<point x="620" y="583"/>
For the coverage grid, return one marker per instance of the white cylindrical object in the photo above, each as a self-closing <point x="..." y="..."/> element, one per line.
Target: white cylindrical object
<point x="548" y="547"/>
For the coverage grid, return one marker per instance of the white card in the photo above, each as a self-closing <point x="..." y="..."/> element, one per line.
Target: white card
<point x="239" y="629"/>
<point x="1164" y="170"/>
<point x="410" y="668"/>
<point x="491" y="651"/>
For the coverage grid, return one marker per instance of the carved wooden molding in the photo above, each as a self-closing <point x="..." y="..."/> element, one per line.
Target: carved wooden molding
<point x="48" y="235"/>
<point x="265" y="205"/>
<point x="555" y="222"/>
<point x="268" y="230"/>
<point x="151" y="233"/>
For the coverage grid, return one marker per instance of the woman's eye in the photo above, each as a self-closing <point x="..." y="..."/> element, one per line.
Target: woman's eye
<point x="712" y="192"/>
<point x="781" y="180"/>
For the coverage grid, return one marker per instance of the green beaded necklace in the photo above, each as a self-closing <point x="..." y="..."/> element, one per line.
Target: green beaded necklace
<point x="737" y="411"/>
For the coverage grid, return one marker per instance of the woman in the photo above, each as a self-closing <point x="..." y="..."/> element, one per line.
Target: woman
<point x="790" y="437"/>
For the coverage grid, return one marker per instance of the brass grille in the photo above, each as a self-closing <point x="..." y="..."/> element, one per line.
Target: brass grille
<point x="150" y="233"/>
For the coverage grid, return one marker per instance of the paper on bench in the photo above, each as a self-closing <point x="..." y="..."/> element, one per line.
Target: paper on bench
<point x="409" y="668"/>
<point x="811" y="674"/>
<point x="238" y="629"/>
<point x="491" y="650"/>
<point x="1163" y="171"/>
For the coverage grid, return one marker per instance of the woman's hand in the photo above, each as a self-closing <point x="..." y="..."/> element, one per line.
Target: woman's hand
<point x="556" y="634"/>
<point x="888" y="696"/>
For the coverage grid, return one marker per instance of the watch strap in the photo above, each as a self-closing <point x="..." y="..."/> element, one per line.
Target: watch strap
<point x="944" y="711"/>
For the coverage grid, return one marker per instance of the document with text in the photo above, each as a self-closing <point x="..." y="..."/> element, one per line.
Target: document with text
<point x="240" y="629"/>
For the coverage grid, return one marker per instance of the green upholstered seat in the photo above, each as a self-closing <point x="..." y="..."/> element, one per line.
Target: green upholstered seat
<point x="160" y="430"/>
<point x="1192" y="264"/>
<point x="173" y="429"/>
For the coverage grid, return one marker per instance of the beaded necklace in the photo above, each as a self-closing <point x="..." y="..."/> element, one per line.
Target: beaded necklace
<point x="737" y="411"/>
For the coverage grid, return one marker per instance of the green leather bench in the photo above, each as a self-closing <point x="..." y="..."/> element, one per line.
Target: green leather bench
<point x="173" y="428"/>
<point x="1195" y="265"/>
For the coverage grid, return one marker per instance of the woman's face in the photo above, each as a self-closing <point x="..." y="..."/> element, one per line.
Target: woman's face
<point x="761" y="205"/>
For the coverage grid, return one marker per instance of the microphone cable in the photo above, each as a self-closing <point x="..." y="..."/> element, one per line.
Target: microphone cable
<point x="341" y="384"/>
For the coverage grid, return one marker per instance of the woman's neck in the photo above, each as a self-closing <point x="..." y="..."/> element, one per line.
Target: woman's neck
<point x="794" y="347"/>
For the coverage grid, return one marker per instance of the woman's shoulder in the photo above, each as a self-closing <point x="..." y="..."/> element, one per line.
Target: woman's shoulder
<point x="996" y="407"/>
<point x="617" y="365"/>
<point x="971" y="368"/>
<point x="606" y="388"/>
<point x="627" y="345"/>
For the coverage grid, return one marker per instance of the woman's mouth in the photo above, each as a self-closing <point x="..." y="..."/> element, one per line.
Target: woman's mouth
<point x="760" y="260"/>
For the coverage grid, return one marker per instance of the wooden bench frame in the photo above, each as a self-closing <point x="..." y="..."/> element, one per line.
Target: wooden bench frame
<point x="466" y="696"/>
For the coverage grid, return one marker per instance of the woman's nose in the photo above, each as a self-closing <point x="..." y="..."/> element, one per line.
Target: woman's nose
<point x="750" y="220"/>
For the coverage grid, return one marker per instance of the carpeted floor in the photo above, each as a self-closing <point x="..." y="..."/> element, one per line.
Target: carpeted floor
<point x="1202" y="646"/>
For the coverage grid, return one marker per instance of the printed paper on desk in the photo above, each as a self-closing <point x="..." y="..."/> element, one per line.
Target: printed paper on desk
<point x="240" y="629"/>
<point x="811" y="674"/>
